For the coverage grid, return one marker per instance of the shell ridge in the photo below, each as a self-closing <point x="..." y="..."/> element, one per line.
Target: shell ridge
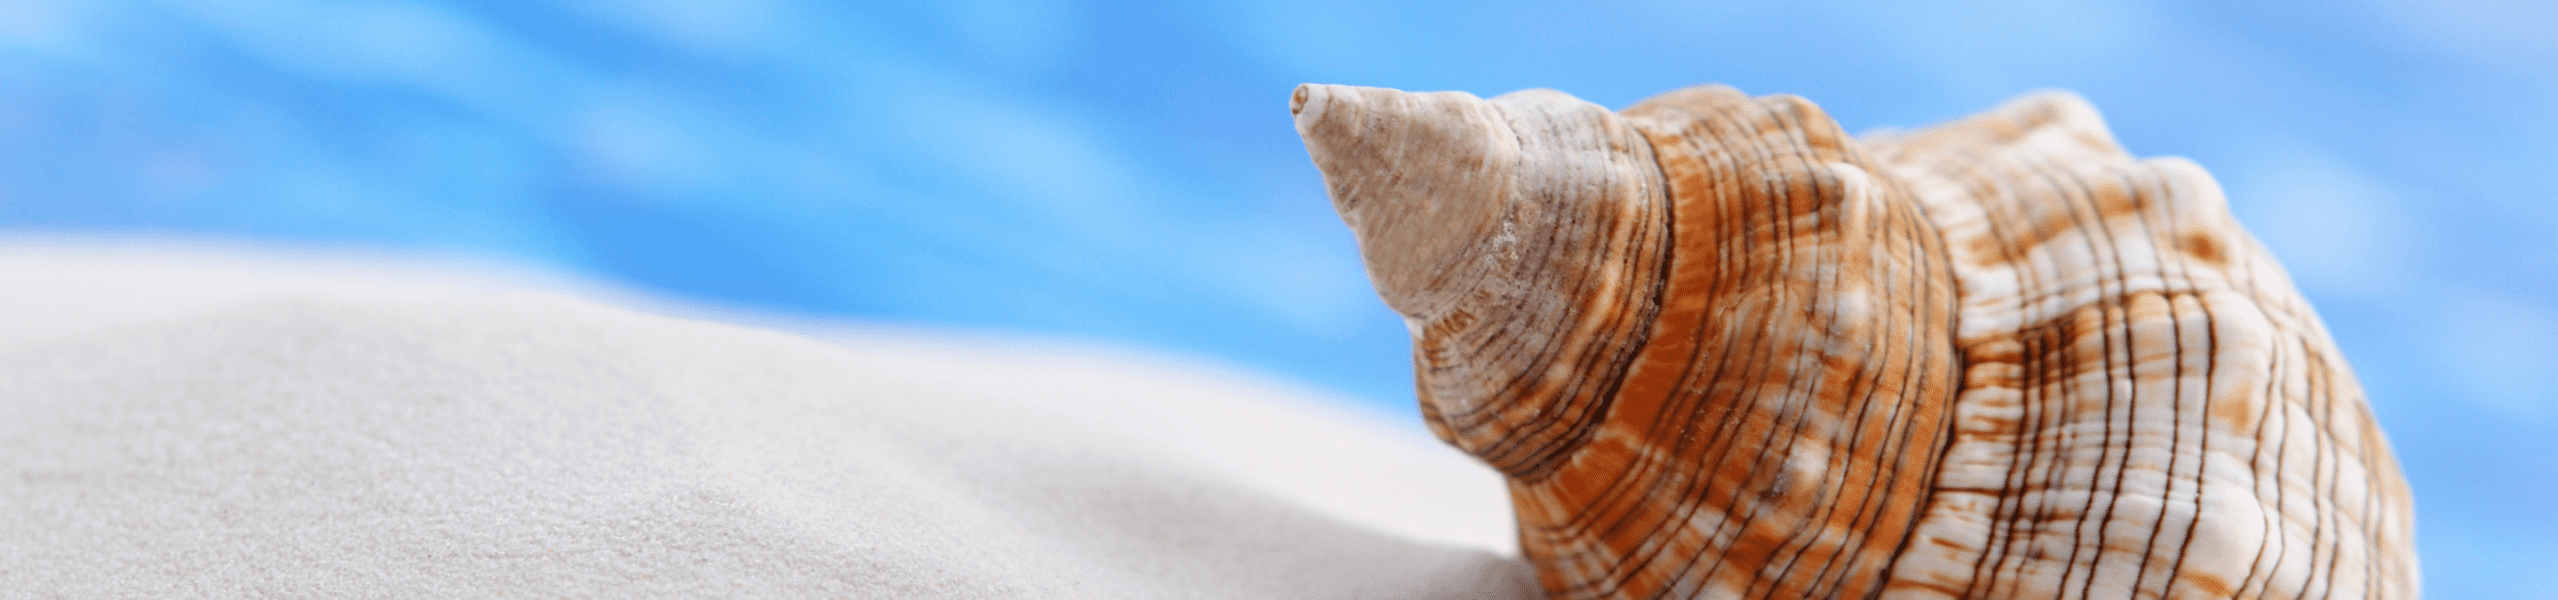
<point x="1847" y="222"/>
<point x="2184" y="270"/>
<point x="2108" y="248"/>
<point x="1674" y="403"/>
<point x="1866" y="377"/>
<point x="2175" y="398"/>
<point x="2138" y="216"/>
<point x="2001" y="498"/>
<point x="1625" y="568"/>
<point x="1658" y="427"/>
<point x="1866" y="501"/>
<point x="1538" y="440"/>
<point x="1650" y="303"/>
<point x="1796" y="127"/>
<point x="1933" y="252"/>
<point x="2329" y="513"/>
<point x="1802" y="402"/>
<point x="2008" y="498"/>
<point x="2276" y="519"/>
<point x="1778" y="197"/>
<point x="2069" y="204"/>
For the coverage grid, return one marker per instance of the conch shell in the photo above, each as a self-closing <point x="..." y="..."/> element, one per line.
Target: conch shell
<point x="1722" y="349"/>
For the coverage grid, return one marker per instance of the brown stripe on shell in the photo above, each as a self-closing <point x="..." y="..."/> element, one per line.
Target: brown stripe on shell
<point x="1726" y="351"/>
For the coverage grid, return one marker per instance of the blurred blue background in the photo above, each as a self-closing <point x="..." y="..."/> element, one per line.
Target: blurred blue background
<point x="1127" y="172"/>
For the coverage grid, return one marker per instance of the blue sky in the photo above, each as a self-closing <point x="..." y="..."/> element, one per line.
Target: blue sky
<point x="1126" y="172"/>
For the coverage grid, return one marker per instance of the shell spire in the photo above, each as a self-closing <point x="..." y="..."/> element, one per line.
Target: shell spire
<point x="1522" y="235"/>
<point x="1724" y="350"/>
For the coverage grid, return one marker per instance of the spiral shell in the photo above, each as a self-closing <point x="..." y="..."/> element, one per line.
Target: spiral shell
<point x="1722" y="349"/>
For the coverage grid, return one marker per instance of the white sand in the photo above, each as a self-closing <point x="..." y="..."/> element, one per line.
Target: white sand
<point x="218" y="424"/>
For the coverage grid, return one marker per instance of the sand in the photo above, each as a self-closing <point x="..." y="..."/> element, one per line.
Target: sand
<point x="192" y="421"/>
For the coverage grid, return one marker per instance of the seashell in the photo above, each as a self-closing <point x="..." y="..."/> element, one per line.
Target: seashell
<point x="1722" y="349"/>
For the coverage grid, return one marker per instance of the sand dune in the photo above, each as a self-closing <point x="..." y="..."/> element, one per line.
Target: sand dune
<point x="184" y="421"/>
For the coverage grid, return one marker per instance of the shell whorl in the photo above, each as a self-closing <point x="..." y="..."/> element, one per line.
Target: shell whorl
<point x="2146" y="394"/>
<point x="1724" y="350"/>
<point x="1521" y="239"/>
